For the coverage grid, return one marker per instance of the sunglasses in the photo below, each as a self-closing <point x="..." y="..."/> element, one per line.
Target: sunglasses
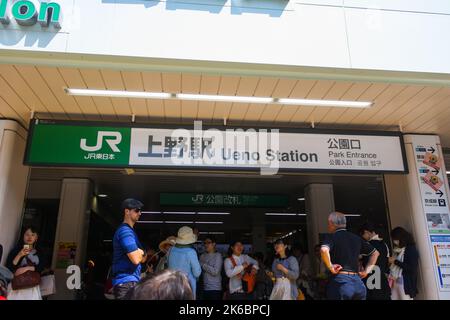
<point x="135" y="210"/>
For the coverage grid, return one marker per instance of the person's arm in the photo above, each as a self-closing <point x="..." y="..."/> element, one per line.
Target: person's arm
<point x="252" y="261"/>
<point x="325" y="254"/>
<point x="371" y="263"/>
<point x="368" y="250"/>
<point x="410" y="261"/>
<point x="128" y="243"/>
<point x="230" y="270"/>
<point x="42" y="263"/>
<point x="214" y="268"/>
<point x="14" y="258"/>
<point x="195" y="265"/>
<point x="292" y="272"/>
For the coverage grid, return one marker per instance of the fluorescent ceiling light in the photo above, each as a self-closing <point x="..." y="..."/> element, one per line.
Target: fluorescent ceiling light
<point x="213" y="213"/>
<point x="325" y="103"/>
<point x="151" y="212"/>
<point x="180" y="222"/>
<point x="102" y="195"/>
<point x="218" y="98"/>
<point x="179" y="212"/>
<point x="284" y="214"/>
<point x="119" y="93"/>
<point x="352" y="215"/>
<point x="209" y="222"/>
<point x="154" y="221"/>
<point x="301" y="199"/>
<point x="447" y="172"/>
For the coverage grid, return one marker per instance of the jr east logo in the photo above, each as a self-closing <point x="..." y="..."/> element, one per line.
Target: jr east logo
<point x="96" y="152"/>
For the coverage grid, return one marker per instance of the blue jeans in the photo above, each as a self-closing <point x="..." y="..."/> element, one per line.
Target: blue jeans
<point x="346" y="287"/>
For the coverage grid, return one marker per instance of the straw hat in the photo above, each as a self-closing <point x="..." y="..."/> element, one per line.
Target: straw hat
<point x="186" y="236"/>
<point x="169" y="241"/>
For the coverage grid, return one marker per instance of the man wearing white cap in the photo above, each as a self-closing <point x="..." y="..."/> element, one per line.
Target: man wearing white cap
<point x="183" y="257"/>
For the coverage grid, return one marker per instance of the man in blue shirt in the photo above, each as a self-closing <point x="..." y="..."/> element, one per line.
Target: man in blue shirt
<point x="128" y="253"/>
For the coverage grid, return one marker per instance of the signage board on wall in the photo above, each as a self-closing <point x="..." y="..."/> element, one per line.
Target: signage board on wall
<point x="222" y="200"/>
<point x="431" y="173"/>
<point x="100" y="144"/>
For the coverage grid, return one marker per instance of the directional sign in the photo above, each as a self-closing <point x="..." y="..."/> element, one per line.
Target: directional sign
<point x="430" y="171"/>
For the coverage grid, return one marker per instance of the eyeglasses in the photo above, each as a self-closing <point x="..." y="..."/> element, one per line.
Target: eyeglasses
<point x="136" y="210"/>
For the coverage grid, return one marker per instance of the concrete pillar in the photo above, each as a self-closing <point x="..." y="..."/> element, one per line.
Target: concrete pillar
<point x="13" y="183"/>
<point x="319" y="203"/>
<point x="259" y="232"/>
<point x="406" y="209"/>
<point x="72" y="227"/>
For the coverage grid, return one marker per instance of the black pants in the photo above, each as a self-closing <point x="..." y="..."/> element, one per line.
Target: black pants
<point x="122" y="290"/>
<point x="212" y="295"/>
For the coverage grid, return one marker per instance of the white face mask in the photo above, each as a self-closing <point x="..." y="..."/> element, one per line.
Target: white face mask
<point x="396" y="243"/>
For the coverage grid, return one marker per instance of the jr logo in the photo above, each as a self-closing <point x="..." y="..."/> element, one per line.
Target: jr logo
<point x="112" y="138"/>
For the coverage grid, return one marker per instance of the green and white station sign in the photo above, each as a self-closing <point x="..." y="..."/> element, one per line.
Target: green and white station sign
<point x="98" y="144"/>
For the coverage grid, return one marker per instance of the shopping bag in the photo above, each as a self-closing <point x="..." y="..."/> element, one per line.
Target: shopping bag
<point x="48" y="285"/>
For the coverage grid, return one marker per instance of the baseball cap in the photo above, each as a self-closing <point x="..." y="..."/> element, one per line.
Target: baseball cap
<point x="131" y="204"/>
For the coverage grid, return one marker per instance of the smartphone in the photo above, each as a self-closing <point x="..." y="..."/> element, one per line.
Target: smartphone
<point x="27" y="246"/>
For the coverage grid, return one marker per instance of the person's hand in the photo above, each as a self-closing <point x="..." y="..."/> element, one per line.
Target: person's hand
<point x="24" y="252"/>
<point x="362" y="274"/>
<point x="245" y="265"/>
<point x="254" y="272"/>
<point x="335" y="268"/>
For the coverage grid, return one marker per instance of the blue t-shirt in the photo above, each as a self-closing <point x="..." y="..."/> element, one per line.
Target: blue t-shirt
<point x="125" y="241"/>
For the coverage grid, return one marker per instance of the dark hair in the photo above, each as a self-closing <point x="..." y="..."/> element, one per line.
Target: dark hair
<point x="367" y="226"/>
<point x="286" y="243"/>
<point x="212" y="238"/>
<point x="31" y="228"/>
<point x="163" y="285"/>
<point x="230" y="248"/>
<point x="404" y="237"/>
<point x="25" y="229"/>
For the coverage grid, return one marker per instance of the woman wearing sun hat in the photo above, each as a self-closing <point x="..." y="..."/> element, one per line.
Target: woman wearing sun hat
<point x="183" y="257"/>
<point x="165" y="247"/>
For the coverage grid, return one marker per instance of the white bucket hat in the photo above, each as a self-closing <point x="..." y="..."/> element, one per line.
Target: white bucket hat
<point x="186" y="236"/>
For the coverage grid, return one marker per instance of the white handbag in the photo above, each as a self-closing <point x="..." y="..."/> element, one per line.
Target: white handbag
<point x="48" y="285"/>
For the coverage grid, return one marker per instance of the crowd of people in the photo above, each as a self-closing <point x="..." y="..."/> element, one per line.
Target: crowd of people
<point x="342" y="267"/>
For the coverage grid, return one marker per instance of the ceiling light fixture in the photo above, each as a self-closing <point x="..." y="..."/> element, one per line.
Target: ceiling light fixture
<point x="209" y="222"/>
<point x="119" y="94"/>
<point x="217" y="98"/>
<point x="213" y="213"/>
<point x="179" y="212"/>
